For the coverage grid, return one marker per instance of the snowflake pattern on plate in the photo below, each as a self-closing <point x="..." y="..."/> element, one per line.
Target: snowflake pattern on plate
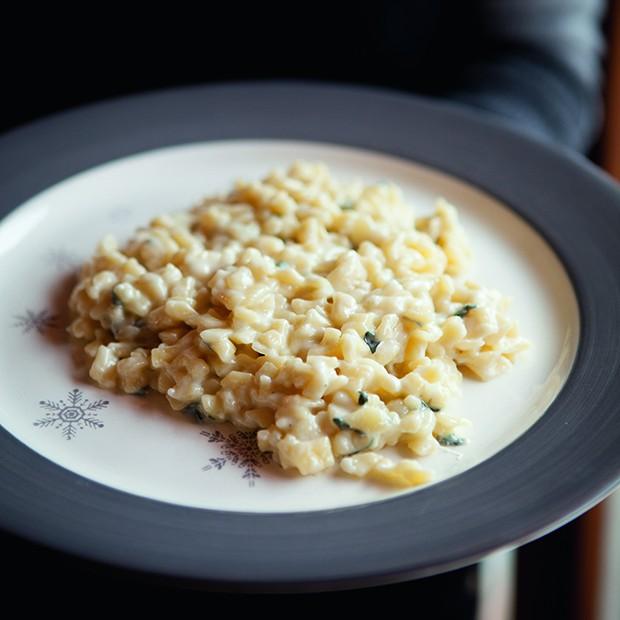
<point x="240" y="449"/>
<point x="40" y="321"/>
<point x="76" y="413"/>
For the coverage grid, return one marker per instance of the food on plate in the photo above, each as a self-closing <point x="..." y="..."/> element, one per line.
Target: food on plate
<point x="326" y="316"/>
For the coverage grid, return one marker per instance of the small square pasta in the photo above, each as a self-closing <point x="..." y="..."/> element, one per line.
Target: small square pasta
<point x="323" y="315"/>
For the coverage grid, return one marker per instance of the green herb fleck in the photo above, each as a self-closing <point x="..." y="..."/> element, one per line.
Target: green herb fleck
<point x="195" y="410"/>
<point x="347" y="205"/>
<point x="429" y="406"/>
<point x="366" y="447"/>
<point x="345" y="426"/>
<point x="281" y="264"/>
<point x="464" y="310"/>
<point x="116" y="300"/>
<point x="341" y="424"/>
<point x="450" y="440"/>
<point x="363" y="398"/>
<point x="371" y="340"/>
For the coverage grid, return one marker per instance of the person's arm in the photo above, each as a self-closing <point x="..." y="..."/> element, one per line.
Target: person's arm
<point x="537" y="63"/>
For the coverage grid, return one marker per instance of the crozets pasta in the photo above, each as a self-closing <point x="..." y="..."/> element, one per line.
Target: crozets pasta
<point x="324" y="316"/>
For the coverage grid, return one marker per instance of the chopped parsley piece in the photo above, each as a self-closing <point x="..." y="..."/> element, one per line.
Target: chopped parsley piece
<point x="341" y="424"/>
<point x="429" y="406"/>
<point x="347" y="205"/>
<point x="195" y="410"/>
<point x="464" y="310"/>
<point x="116" y="300"/>
<point x="345" y="426"/>
<point x="371" y="340"/>
<point x="363" y="398"/>
<point x="281" y="264"/>
<point x="366" y="447"/>
<point x="450" y="440"/>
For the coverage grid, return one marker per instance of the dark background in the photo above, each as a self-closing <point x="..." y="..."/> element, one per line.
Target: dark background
<point x="52" y="63"/>
<point x="49" y="67"/>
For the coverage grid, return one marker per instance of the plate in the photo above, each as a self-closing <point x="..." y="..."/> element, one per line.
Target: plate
<point x="120" y="480"/>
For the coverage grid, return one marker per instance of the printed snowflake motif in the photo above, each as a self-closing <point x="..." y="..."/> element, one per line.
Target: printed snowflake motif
<point x="62" y="259"/>
<point x="240" y="449"/>
<point x="74" y="414"/>
<point x="40" y="321"/>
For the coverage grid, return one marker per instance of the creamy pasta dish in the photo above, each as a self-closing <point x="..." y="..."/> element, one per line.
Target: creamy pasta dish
<point x="325" y="316"/>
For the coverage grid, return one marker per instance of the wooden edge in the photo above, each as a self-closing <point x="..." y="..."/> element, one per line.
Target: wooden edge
<point x="589" y="555"/>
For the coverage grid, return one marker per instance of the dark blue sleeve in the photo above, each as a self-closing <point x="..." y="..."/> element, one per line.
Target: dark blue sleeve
<point x="538" y="66"/>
